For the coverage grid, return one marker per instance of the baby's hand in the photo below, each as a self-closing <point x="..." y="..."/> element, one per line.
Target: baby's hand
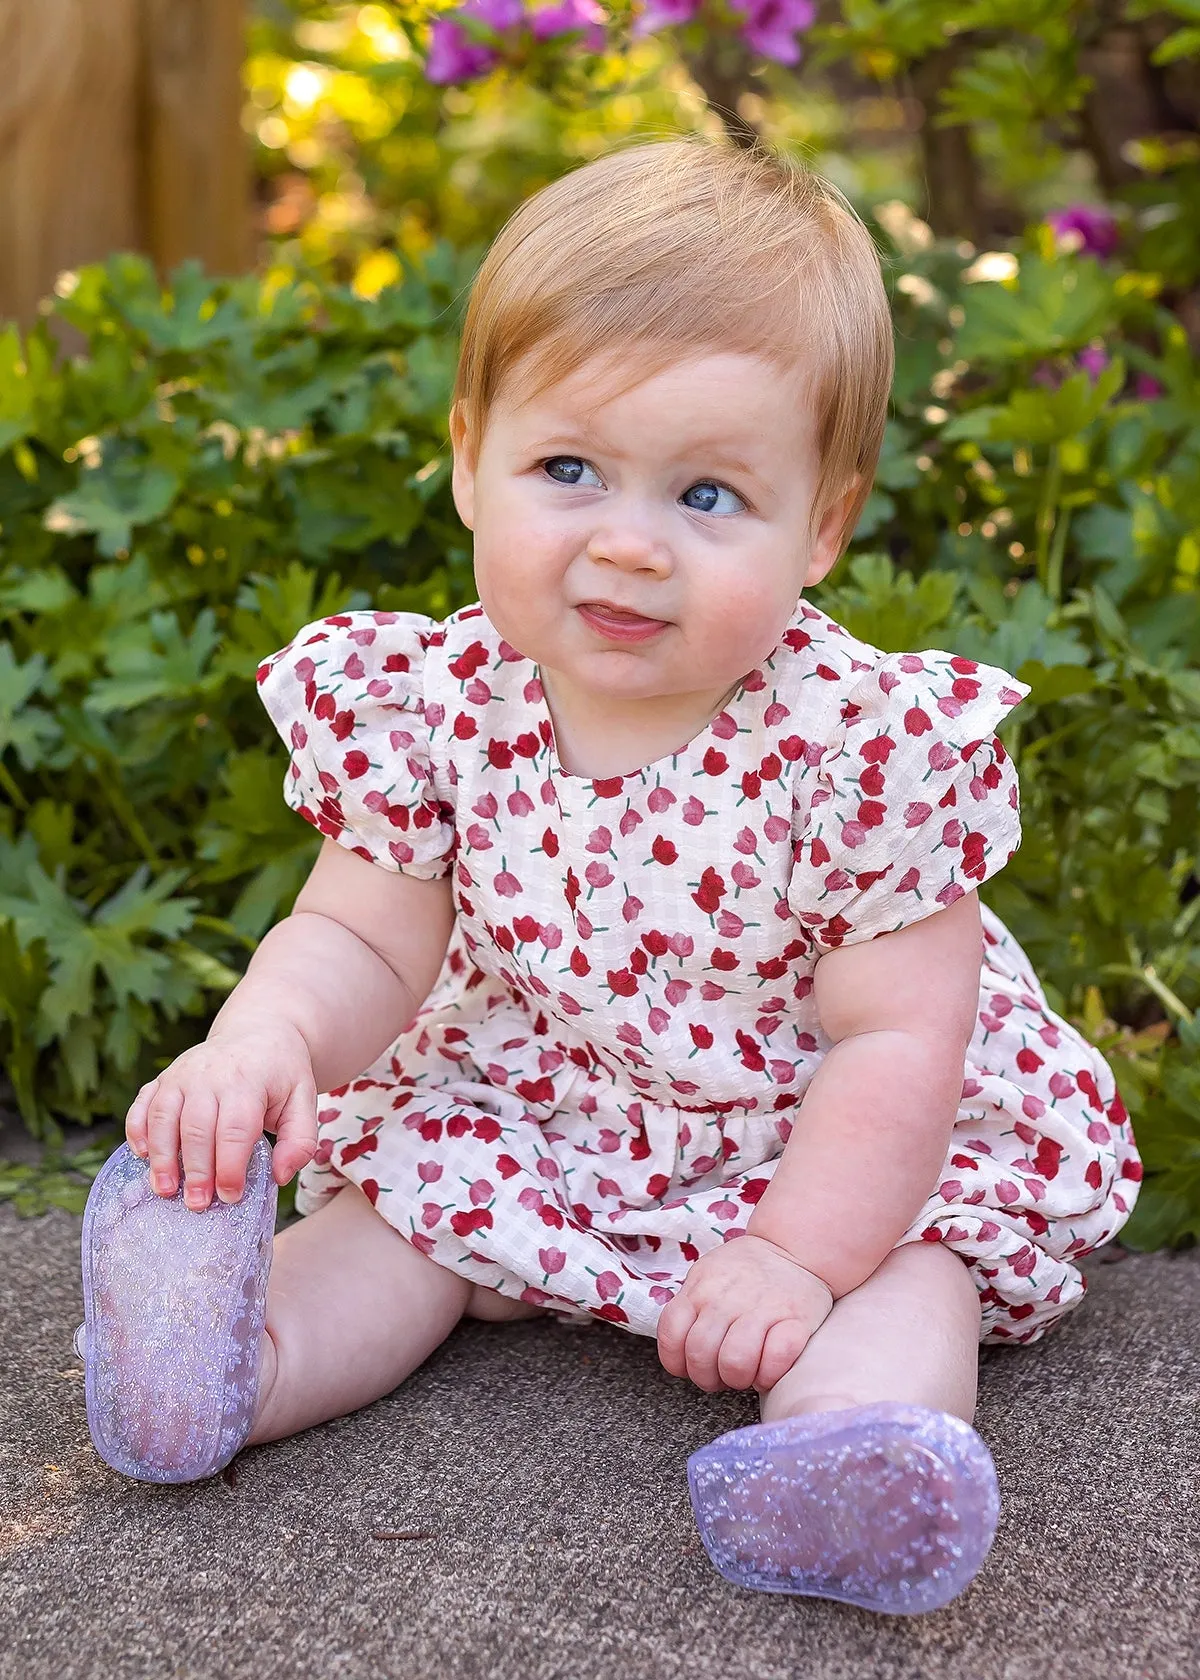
<point x="743" y="1317"/>
<point x="214" y="1102"/>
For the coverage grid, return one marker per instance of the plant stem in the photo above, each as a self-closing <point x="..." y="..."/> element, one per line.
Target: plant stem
<point x="129" y="819"/>
<point x="1044" y="742"/>
<point x="13" y="791"/>
<point x="1054" y="581"/>
<point x="1148" y="975"/>
<point x="1046" y="520"/>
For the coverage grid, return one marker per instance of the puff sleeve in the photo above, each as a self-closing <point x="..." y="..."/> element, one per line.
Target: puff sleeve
<point x="915" y="801"/>
<point x="347" y="696"/>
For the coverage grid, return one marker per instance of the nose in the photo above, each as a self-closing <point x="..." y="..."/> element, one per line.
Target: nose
<point x="631" y="547"/>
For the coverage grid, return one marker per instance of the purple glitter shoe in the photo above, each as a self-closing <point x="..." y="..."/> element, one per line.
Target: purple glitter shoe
<point x="174" y="1309"/>
<point x="889" y="1507"/>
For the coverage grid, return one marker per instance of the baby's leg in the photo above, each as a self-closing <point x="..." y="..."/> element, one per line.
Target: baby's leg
<point x="352" y="1309"/>
<point x="862" y="1483"/>
<point x="909" y="1333"/>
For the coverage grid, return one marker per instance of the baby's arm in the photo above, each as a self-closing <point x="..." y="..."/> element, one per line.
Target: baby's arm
<point x="864" y="1153"/>
<point x="327" y="991"/>
<point x="872" y="1131"/>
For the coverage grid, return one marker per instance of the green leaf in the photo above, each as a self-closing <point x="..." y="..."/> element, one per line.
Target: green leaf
<point x="1054" y="306"/>
<point x="1043" y="417"/>
<point x="157" y="661"/>
<point x="111" y="500"/>
<point x="888" y="608"/>
<point x="1022" y="639"/>
<point x="27" y="729"/>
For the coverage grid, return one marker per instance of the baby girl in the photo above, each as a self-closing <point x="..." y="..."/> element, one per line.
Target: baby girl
<point x="668" y="885"/>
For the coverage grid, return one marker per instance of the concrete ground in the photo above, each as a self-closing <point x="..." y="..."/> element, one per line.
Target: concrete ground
<point x="542" y="1470"/>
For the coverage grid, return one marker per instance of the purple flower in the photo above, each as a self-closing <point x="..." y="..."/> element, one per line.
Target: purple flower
<point x="1146" y="387"/>
<point x="568" y="15"/>
<point x="663" y="14"/>
<point x="1094" y="360"/>
<point x="500" y="14"/>
<point x="771" y="26"/>
<point x="1096" y="226"/>
<point x="453" y="56"/>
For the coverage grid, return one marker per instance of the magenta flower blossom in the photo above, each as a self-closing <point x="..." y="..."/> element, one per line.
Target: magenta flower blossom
<point x="663" y="14"/>
<point x="1146" y="387"/>
<point x="587" y="15"/>
<point x="1094" y="360"/>
<point x="500" y="14"/>
<point x="771" y="26"/>
<point x="453" y="56"/>
<point x="1096" y="226"/>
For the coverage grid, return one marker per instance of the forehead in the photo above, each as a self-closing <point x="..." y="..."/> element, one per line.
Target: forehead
<point x="708" y="397"/>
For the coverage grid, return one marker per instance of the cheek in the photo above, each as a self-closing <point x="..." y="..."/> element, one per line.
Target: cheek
<point x="513" y="568"/>
<point x="747" y="616"/>
<point x="520" y="587"/>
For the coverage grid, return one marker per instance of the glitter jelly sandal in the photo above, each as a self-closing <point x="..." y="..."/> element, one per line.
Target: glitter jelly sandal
<point x="890" y="1507"/>
<point x="174" y="1308"/>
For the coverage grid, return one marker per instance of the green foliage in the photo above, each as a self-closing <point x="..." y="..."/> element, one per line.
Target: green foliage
<point x="225" y="461"/>
<point x="1054" y="530"/>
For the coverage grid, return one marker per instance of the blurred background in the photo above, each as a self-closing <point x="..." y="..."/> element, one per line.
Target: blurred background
<point x="236" y="241"/>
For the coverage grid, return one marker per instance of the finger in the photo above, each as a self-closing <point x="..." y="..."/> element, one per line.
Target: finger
<point x="197" y="1141"/>
<point x="782" y="1347"/>
<point x="674" y="1322"/>
<point x="703" y="1344"/>
<point x="162" y="1138"/>
<point x="739" y="1354"/>
<point x="135" y="1120"/>
<point x="239" y="1127"/>
<point x="295" y="1132"/>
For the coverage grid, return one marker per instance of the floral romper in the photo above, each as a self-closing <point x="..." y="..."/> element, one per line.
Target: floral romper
<point x="603" y="1079"/>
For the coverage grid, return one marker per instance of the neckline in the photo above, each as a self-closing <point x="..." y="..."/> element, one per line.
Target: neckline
<point x="668" y="760"/>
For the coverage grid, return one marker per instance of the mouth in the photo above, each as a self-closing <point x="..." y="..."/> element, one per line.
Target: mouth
<point x="619" y="623"/>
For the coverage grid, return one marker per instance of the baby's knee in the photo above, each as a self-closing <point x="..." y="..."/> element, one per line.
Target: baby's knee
<point x="494" y="1308"/>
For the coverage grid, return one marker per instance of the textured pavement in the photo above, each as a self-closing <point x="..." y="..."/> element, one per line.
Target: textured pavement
<point x="544" y="1464"/>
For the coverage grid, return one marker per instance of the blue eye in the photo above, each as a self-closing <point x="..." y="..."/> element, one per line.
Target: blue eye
<point x="574" y="468"/>
<point x="569" y="470"/>
<point x="711" y="490"/>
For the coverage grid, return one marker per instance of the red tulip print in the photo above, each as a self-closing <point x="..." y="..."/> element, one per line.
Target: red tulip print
<point x="710" y="891"/>
<point x="465" y="1224"/>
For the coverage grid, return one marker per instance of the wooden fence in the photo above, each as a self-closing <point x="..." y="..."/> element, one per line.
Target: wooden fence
<point x="120" y="129"/>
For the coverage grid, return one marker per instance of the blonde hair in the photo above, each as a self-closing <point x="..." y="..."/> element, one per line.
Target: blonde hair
<point x="685" y="247"/>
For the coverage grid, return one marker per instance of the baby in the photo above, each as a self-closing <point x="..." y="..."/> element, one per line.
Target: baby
<point x="668" y="885"/>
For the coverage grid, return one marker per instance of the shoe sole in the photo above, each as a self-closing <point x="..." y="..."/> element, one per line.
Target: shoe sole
<point x="894" y="1506"/>
<point x="174" y="1311"/>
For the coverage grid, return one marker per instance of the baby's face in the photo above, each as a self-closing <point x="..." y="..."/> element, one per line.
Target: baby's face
<point x="653" y="543"/>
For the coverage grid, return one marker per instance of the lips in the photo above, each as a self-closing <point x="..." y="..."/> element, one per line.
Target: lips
<point x="618" y="615"/>
<point x="618" y="624"/>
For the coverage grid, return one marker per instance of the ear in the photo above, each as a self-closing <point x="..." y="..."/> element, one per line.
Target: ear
<point x="827" y="547"/>
<point x="462" y="479"/>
